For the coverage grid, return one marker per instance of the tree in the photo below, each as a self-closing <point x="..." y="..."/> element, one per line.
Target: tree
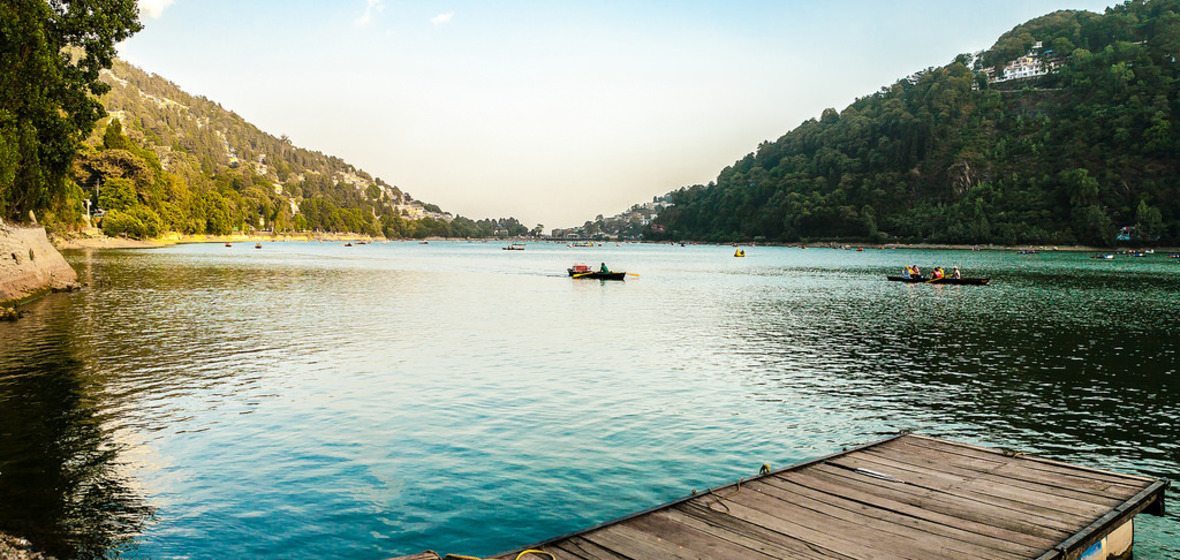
<point x="1149" y="223"/>
<point x="51" y="54"/>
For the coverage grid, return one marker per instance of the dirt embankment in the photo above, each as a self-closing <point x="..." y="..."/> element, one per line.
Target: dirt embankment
<point x="29" y="265"/>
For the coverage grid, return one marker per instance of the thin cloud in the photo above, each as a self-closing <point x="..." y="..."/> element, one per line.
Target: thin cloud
<point x="374" y="6"/>
<point x="442" y="18"/>
<point x="153" y="8"/>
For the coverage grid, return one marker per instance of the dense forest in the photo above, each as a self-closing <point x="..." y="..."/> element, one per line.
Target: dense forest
<point x="956" y="155"/>
<point x="164" y="160"/>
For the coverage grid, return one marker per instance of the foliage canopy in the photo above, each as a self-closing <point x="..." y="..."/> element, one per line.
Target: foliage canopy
<point x="944" y="156"/>
<point x="51" y="54"/>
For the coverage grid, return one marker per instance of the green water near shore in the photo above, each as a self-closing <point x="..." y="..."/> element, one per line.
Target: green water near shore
<point x="308" y="399"/>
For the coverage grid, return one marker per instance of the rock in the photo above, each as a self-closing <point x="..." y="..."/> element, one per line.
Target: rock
<point x="29" y="265"/>
<point x="15" y="548"/>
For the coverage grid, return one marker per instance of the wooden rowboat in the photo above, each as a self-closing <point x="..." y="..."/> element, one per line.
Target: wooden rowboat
<point x="943" y="280"/>
<point x="598" y="275"/>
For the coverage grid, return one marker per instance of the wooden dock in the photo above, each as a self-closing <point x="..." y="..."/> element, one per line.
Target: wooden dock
<point x="908" y="497"/>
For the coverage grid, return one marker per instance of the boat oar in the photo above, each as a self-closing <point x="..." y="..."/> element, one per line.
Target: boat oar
<point x="581" y="274"/>
<point x="632" y="274"/>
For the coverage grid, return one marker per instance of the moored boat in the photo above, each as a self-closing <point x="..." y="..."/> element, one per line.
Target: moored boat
<point x="943" y="280"/>
<point x="584" y="271"/>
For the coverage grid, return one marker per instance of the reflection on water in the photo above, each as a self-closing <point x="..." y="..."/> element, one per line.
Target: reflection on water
<point x="312" y="400"/>
<point x="62" y="483"/>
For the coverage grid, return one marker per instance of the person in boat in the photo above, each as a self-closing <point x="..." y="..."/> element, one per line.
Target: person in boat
<point x="907" y="272"/>
<point x="603" y="269"/>
<point x="955" y="273"/>
<point x="938" y="274"/>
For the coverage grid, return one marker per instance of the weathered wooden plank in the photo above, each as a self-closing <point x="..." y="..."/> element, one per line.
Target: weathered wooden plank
<point x="1023" y="467"/>
<point x="859" y="547"/>
<point x="1010" y="473"/>
<point x="921" y="505"/>
<point x="954" y="503"/>
<point x="1079" y="470"/>
<point x="577" y="548"/>
<point x="642" y="545"/>
<point x="830" y="530"/>
<point x="1072" y="510"/>
<point x="695" y="540"/>
<point x="907" y="517"/>
<point x="962" y="543"/>
<point x="738" y="531"/>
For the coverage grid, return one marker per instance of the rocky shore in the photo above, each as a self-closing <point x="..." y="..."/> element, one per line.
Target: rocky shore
<point x="14" y="548"/>
<point x="30" y="265"/>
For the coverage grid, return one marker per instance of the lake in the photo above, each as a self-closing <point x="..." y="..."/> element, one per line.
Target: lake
<point x="315" y="400"/>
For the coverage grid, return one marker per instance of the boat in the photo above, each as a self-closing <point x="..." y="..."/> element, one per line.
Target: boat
<point x="257" y="245"/>
<point x="584" y="271"/>
<point x="739" y="253"/>
<point x="514" y="247"/>
<point x="1102" y="256"/>
<point x="348" y="244"/>
<point x="228" y="245"/>
<point x="943" y="280"/>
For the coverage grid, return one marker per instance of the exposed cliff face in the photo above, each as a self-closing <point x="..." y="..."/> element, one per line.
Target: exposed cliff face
<point x="29" y="264"/>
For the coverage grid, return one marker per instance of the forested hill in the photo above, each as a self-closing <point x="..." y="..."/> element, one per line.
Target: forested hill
<point x="164" y="160"/>
<point x="957" y="154"/>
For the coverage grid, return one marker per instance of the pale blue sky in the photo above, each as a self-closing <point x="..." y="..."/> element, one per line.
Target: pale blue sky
<point x="551" y="111"/>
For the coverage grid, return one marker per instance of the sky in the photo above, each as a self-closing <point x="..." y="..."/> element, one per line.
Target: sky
<point x="551" y="111"/>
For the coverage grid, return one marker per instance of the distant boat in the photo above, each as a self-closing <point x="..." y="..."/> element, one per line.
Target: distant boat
<point x="228" y="245"/>
<point x="257" y="245"/>
<point x="348" y="244"/>
<point x="943" y="280"/>
<point x="514" y="247"/>
<point x="739" y="253"/>
<point x="1102" y="256"/>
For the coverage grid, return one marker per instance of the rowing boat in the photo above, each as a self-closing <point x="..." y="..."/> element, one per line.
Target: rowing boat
<point x="597" y="275"/>
<point x="584" y="271"/>
<point x="943" y="280"/>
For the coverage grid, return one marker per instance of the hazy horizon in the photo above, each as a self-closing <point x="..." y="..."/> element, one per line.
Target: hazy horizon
<point x="550" y="112"/>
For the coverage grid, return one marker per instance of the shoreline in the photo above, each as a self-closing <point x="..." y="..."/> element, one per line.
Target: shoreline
<point x="98" y="241"/>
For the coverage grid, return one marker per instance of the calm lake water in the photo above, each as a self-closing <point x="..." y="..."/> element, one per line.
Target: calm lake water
<point x="312" y="400"/>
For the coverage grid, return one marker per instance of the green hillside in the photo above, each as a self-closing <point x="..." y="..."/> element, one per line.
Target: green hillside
<point x="164" y="160"/>
<point x="950" y="155"/>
